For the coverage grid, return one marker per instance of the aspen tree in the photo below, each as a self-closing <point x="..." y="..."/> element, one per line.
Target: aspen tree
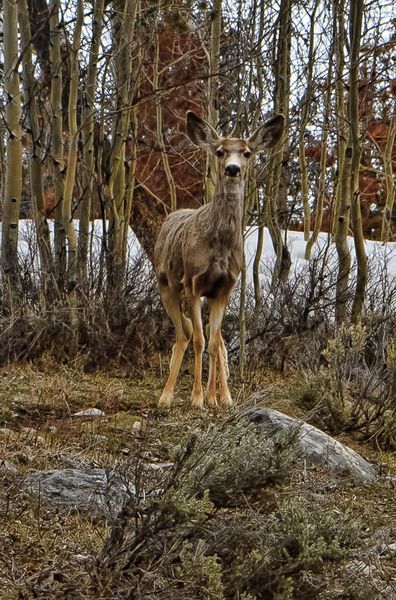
<point x="260" y="212"/>
<point x="213" y="93"/>
<point x="281" y="105"/>
<point x="57" y="141"/>
<point x="13" y="174"/>
<point x="355" y="25"/>
<point x="389" y="181"/>
<point x="252" y="196"/>
<point x="117" y="188"/>
<point x="342" y="206"/>
<point x="323" y="155"/>
<point x="88" y="142"/>
<point x="67" y="204"/>
<point x="36" y="152"/>
<point x="305" y="114"/>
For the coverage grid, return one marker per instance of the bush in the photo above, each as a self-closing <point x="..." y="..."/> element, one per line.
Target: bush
<point x="189" y="540"/>
<point x="117" y="330"/>
<point x="353" y="391"/>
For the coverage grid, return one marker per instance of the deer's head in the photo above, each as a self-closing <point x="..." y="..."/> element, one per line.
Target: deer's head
<point x="233" y="153"/>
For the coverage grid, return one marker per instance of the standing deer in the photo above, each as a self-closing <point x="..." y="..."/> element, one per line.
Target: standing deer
<point x="199" y="253"/>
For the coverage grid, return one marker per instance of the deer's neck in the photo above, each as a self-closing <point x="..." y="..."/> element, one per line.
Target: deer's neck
<point x="227" y="206"/>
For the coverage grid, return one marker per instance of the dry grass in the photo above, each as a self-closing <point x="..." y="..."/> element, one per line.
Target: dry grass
<point x="49" y="553"/>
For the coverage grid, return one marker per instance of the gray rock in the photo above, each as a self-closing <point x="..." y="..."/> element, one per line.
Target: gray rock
<point x="8" y="467"/>
<point x="102" y="492"/>
<point x="315" y="445"/>
<point x="90" y="412"/>
<point x="360" y="567"/>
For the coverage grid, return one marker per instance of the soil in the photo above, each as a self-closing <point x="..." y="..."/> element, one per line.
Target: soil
<point x="45" y="548"/>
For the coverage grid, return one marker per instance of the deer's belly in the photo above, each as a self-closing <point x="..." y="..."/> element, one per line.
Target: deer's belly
<point x="217" y="280"/>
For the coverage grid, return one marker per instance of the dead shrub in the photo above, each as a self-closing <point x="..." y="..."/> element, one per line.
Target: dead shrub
<point x="295" y="318"/>
<point x="118" y="330"/>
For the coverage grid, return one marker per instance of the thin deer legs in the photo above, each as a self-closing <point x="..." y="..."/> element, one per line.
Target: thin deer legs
<point x="197" y="399"/>
<point x="171" y="301"/>
<point x="217" y="355"/>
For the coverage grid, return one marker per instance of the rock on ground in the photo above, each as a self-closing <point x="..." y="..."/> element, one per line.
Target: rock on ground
<point x="90" y="412"/>
<point x="315" y="445"/>
<point x="7" y="466"/>
<point x="102" y="492"/>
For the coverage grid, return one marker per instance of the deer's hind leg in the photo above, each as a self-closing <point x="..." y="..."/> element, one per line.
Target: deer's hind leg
<point x="172" y="303"/>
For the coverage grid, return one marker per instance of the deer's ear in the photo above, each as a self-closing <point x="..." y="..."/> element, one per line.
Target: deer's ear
<point x="268" y="134"/>
<point x="199" y="131"/>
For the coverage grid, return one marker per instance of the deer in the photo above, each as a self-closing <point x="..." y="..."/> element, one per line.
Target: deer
<point x="199" y="253"/>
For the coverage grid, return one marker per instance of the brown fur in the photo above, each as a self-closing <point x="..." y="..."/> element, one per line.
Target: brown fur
<point x="199" y="253"/>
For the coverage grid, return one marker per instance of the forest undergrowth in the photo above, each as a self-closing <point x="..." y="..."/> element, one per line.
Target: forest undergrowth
<point x="219" y="510"/>
<point x="235" y="516"/>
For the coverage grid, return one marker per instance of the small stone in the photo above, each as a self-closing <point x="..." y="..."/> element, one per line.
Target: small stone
<point x="81" y="558"/>
<point x="7" y="434"/>
<point x="31" y="434"/>
<point x="99" y="437"/>
<point x="359" y="567"/>
<point x="137" y="426"/>
<point x="391" y="548"/>
<point x="160" y="466"/>
<point x="90" y="412"/>
<point x="5" y="465"/>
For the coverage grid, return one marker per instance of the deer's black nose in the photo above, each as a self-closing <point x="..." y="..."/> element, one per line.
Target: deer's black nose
<point x="232" y="170"/>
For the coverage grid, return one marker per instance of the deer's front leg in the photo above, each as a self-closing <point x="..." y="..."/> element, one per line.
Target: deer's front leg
<point x="199" y="345"/>
<point x="217" y="355"/>
<point x="225" y="394"/>
<point x="172" y="303"/>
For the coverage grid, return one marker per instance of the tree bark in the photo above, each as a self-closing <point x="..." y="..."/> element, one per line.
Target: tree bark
<point x="36" y="154"/>
<point x="305" y="114"/>
<point x="323" y="156"/>
<point x="123" y="68"/>
<point x="57" y="142"/>
<point x="88" y="144"/>
<point x="355" y="23"/>
<point x="281" y="104"/>
<point x="13" y="174"/>
<point x="342" y="201"/>
<point x="213" y="94"/>
<point x="74" y="134"/>
<point x="386" y="230"/>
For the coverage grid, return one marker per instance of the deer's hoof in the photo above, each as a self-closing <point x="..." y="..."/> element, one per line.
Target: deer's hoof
<point x="226" y="401"/>
<point x="197" y="400"/>
<point x="166" y="400"/>
<point x="211" y="400"/>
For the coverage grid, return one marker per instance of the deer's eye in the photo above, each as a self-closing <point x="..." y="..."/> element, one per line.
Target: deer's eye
<point x="219" y="152"/>
<point x="247" y="153"/>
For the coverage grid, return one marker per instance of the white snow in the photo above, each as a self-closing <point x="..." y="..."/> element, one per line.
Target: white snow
<point x="378" y="253"/>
